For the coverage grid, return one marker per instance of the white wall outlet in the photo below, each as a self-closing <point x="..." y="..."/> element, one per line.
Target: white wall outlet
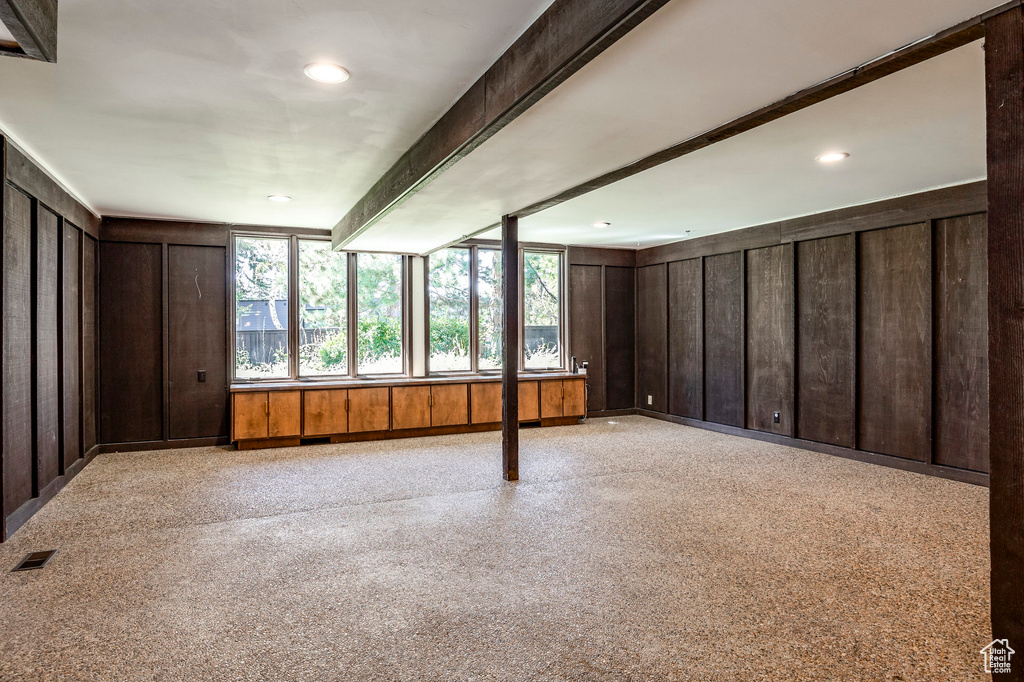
<point x="650" y="400"/>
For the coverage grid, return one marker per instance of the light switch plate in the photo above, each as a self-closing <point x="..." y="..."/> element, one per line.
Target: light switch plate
<point x="650" y="400"/>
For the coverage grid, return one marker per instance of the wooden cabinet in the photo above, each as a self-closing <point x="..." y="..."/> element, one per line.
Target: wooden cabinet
<point x="574" y="398"/>
<point x="369" y="409"/>
<point x="285" y="415"/>
<point x="249" y="416"/>
<point x="410" y="407"/>
<point x="529" y="401"/>
<point x="324" y="413"/>
<point x="563" y="398"/>
<point x="486" y="403"/>
<point x="550" y="399"/>
<point x="262" y="414"/>
<point x="449" y="404"/>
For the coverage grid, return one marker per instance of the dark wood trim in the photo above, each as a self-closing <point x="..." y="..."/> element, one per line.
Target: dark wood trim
<point x="147" y="445"/>
<point x="601" y="414"/>
<point x="22" y="514"/>
<point x="33" y="23"/>
<point x="590" y="255"/>
<point x="3" y="255"/>
<point x="903" y="58"/>
<point x="1004" y="80"/>
<point x="22" y="172"/>
<point x="962" y="475"/>
<point x="567" y="36"/>
<point x="511" y="348"/>
<point x="948" y="202"/>
<point x="187" y="233"/>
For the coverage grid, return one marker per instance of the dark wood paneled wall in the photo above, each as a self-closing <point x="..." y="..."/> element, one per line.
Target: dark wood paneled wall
<point x="620" y="349"/>
<point x="586" y="329"/>
<point x="961" y="343"/>
<point x="197" y="316"/>
<point x="894" y="361"/>
<point x="652" y="336"/>
<point x="841" y="324"/>
<point x="601" y="324"/>
<point x="826" y="296"/>
<point x="686" y="338"/>
<point x="770" y="339"/>
<point x="164" y="318"/>
<point x="49" y="327"/>
<point x="723" y="339"/>
<point x="131" y="342"/>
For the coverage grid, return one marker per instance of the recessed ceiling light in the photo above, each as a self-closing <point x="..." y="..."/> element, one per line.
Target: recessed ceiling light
<point x="602" y="225"/>
<point x="280" y="198"/>
<point x="323" y="72"/>
<point x="833" y="157"/>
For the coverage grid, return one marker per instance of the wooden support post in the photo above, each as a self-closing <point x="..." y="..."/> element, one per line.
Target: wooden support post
<point x="1004" y="80"/>
<point x="510" y="348"/>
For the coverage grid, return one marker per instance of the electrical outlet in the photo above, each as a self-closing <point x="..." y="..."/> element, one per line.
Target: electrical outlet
<point x="775" y="417"/>
<point x="650" y="400"/>
<point x="202" y="376"/>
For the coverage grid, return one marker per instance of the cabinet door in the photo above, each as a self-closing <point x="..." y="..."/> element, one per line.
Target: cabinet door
<point x="249" y="416"/>
<point x="551" y="399"/>
<point x="486" y="403"/>
<point x="369" y="409"/>
<point x="529" y="401"/>
<point x="574" y="398"/>
<point x="410" y="407"/>
<point x="324" y="413"/>
<point x="449" y="404"/>
<point x="285" y="414"/>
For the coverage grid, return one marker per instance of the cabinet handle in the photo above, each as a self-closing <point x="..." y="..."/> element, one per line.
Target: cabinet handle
<point x="266" y="407"/>
<point x="346" y="405"/>
<point x="430" y="400"/>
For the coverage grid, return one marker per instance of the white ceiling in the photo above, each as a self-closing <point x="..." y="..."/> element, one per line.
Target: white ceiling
<point x="692" y="66"/>
<point x="918" y="129"/>
<point x="198" y="109"/>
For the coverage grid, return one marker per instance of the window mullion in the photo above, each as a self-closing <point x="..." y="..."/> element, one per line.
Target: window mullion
<point x="351" y="303"/>
<point x="474" y="310"/>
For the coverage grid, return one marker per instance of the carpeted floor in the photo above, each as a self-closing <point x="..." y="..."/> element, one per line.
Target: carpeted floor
<point x="631" y="549"/>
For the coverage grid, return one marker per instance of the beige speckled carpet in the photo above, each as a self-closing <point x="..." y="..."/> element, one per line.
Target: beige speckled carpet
<point x="631" y="550"/>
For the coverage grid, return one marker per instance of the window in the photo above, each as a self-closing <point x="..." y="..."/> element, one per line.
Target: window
<point x="542" y="310"/>
<point x="323" y="309"/>
<point x="453" y="301"/>
<point x="489" y="308"/>
<point x="261" y="308"/>
<point x="449" y="311"/>
<point x="380" y="308"/>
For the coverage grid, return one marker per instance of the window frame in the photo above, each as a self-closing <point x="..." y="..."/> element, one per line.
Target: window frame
<point x="475" y="246"/>
<point x="233" y="303"/>
<point x="352" y="310"/>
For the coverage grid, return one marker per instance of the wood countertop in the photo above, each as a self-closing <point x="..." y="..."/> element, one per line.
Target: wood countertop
<point x="372" y="382"/>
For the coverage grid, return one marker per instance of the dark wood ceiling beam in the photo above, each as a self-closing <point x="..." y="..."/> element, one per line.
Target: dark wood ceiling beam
<point x="566" y="37"/>
<point x="33" y="23"/>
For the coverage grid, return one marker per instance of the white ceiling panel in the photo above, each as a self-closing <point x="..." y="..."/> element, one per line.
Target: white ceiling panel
<point x="198" y="109"/>
<point x="693" y="66"/>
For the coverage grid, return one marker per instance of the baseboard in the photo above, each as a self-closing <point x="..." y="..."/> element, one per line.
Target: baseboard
<point x="961" y="475"/>
<point x="601" y="414"/>
<point x="22" y="514"/>
<point x="143" y="446"/>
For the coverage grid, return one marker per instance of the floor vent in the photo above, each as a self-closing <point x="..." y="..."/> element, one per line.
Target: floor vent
<point x="35" y="560"/>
